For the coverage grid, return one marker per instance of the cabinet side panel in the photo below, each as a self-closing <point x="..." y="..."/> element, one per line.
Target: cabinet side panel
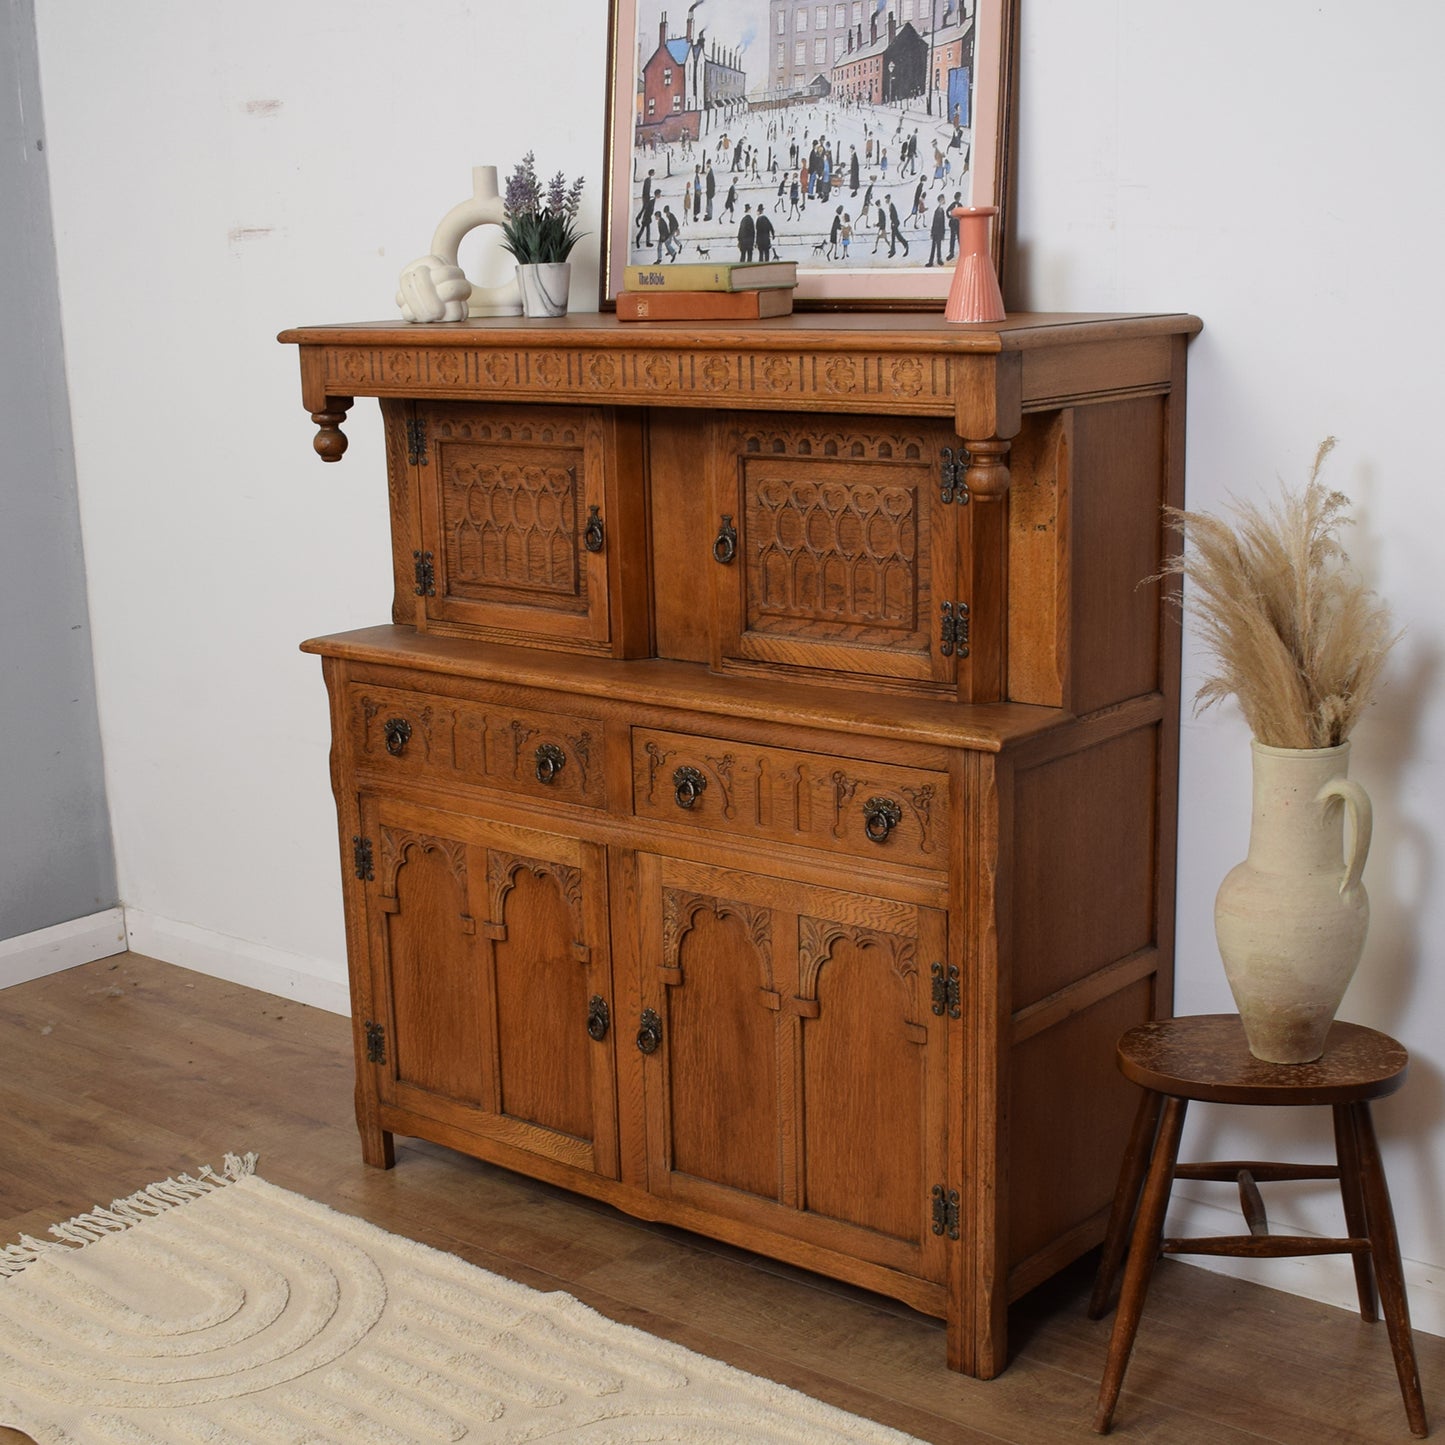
<point x="1070" y="1112"/>
<point x="1038" y="560"/>
<point x="1117" y="489"/>
<point x="1085" y="854"/>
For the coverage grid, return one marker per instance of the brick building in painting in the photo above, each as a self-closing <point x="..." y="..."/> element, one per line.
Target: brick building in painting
<point x="873" y="51"/>
<point x="685" y="84"/>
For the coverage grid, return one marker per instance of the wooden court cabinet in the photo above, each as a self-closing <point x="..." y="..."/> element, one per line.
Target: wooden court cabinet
<point x="759" y="811"/>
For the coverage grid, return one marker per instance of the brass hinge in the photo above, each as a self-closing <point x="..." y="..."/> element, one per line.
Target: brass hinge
<point x="375" y="1043"/>
<point x="426" y="574"/>
<point x="947" y="991"/>
<point x="952" y="468"/>
<point x="945" y="1211"/>
<point x="361" y="857"/>
<point x="953" y="629"/>
<point x="416" y="441"/>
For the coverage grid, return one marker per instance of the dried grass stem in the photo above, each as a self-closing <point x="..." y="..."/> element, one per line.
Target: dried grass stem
<point x="1296" y="636"/>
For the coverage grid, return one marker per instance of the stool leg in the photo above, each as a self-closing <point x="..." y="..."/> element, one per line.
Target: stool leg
<point x="1126" y="1201"/>
<point x="1143" y="1251"/>
<point x="1347" y="1153"/>
<point x="1385" y="1249"/>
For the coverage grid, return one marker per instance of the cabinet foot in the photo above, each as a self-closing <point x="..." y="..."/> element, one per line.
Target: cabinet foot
<point x="378" y="1148"/>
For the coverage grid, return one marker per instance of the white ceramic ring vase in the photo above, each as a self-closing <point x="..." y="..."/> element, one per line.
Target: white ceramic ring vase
<point x="1291" y="919"/>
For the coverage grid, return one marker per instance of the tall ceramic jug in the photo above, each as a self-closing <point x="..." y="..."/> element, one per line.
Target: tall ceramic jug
<point x="1291" y="919"/>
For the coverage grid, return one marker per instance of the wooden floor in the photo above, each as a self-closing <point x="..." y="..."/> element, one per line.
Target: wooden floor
<point x="122" y="1072"/>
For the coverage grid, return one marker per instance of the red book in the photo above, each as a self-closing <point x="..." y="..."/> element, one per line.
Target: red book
<point x="703" y="305"/>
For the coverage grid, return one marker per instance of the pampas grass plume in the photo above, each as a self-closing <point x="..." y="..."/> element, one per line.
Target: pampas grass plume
<point x="1296" y="636"/>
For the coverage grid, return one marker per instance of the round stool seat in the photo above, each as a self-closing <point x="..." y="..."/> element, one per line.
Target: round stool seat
<point x="1207" y="1057"/>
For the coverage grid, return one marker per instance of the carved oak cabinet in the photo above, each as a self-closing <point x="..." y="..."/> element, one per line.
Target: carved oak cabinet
<point x="759" y="811"/>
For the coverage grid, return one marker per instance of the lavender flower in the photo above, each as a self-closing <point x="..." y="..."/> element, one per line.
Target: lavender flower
<point x="540" y="228"/>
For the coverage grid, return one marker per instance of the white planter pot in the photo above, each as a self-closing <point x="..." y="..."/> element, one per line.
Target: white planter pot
<point x="1291" y="919"/>
<point x="544" y="287"/>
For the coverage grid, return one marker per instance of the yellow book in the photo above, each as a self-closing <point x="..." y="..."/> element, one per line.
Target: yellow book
<point x="706" y="276"/>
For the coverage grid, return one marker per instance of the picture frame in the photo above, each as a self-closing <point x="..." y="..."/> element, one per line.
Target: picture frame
<point x="921" y="87"/>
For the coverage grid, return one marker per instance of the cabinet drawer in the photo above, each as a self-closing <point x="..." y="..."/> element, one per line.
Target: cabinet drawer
<point x="844" y="805"/>
<point x="423" y="735"/>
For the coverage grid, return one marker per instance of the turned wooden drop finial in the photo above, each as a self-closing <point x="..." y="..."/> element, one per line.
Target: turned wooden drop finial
<point x="330" y="441"/>
<point x="988" y="475"/>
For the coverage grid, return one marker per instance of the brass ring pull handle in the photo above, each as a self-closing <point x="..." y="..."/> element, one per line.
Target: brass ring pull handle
<point x="598" y="1018"/>
<point x="397" y="732"/>
<point x="725" y="547"/>
<point x="593" y="534"/>
<point x="550" y="761"/>
<point x="880" y="817"/>
<point x="688" y="785"/>
<point x="649" y="1036"/>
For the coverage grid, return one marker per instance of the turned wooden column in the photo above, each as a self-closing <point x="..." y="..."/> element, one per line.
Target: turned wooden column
<point x="987" y="480"/>
<point x="988" y="413"/>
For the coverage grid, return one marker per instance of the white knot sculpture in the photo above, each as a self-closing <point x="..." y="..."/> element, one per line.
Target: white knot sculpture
<point x="434" y="288"/>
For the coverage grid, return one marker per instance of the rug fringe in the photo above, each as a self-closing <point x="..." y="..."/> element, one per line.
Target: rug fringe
<point x="125" y="1213"/>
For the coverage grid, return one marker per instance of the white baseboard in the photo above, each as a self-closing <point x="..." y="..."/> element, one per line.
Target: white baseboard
<point x="52" y="950"/>
<point x="288" y="975"/>
<point x="1328" y="1278"/>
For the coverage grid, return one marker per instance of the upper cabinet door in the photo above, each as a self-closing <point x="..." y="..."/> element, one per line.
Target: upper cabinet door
<point x="835" y="550"/>
<point x="511" y="531"/>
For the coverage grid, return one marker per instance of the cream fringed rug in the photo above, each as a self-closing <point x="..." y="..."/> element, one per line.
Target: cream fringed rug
<point x="223" y="1309"/>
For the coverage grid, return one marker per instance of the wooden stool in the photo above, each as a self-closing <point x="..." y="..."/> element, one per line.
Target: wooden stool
<point x="1207" y="1058"/>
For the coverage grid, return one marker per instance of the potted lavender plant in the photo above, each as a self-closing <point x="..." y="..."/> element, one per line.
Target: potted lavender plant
<point x="540" y="230"/>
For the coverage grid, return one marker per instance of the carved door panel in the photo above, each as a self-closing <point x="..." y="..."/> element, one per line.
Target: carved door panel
<point x="513" y="532"/>
<point x="491" y="967"/>
<point x="795" y="1070"/>
<point x="835" y="548"/>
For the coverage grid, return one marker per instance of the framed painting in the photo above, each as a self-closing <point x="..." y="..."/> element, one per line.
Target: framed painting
<point x="838" y="135"/>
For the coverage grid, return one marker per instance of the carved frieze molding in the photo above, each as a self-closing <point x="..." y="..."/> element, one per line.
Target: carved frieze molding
<point x="898" y="383"/>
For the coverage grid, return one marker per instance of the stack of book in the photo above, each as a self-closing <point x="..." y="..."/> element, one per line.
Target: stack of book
<point x="704" y="291"/>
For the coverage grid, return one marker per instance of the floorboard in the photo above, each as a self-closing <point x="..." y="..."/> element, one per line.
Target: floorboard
<point x="124" y="1071"/>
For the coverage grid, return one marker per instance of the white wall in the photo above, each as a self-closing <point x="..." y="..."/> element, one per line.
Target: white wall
<point x="221" y="172"/>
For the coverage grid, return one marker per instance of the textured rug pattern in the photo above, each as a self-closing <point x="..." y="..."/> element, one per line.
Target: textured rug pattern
<point x="222" y="1308"/>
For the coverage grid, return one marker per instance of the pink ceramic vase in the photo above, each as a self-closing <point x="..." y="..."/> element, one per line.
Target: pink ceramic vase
<point x="974" y="294"/>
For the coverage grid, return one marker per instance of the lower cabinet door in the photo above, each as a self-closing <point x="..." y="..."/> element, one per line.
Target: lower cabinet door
<point x="491" y="969"/>
<point x="795" y="1071"/>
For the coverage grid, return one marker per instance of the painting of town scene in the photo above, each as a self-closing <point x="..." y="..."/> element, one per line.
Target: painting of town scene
<point x="836" y="135"/>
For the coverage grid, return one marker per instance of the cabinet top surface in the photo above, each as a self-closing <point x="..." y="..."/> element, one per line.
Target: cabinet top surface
<point x="905" y="363"/>
<point x="833" y="330"/>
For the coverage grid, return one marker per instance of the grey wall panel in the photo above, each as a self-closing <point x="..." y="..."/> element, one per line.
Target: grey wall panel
<point x="57" y="861"/>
